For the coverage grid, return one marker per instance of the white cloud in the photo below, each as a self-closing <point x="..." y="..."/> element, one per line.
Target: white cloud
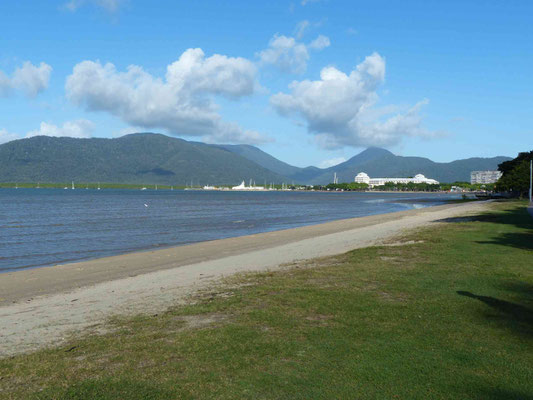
<point x="339" y="108"/>
<point x="5" y="85"/>
<point x="305" y="2"/>
<point x="182" y="103"/>
<point x="331" y="162"/>
<point x="29" y="78"/>
<point x="288" y="54"/>
<point x="127" y="131"/>
<point x="80" y="128"/>
<point x="301" y="28"/>
<point x="108" y="5"/>
<point x="285" y="53"/>
<point x="351" y="31"/>
<point x="6" y="136"/>
<point x="320" y="43"/>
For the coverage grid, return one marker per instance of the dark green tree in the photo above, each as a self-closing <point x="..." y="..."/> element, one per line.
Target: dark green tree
<point x="515" y="178"/>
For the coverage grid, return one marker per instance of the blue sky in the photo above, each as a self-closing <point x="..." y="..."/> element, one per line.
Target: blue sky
<point x="310" y="82"/>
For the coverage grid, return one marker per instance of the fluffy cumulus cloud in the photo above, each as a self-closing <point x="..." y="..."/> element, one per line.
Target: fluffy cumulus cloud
<point x="80" y="128"/>
<point x="182" y="103"/>
<point x="339" y="109"/>
<point x="108" y="5"/>
<point x="290" y="55"/>
<point x="29" y="78"/>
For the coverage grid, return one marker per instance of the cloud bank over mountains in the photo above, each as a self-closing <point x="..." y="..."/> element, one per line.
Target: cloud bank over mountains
<point x="339" y="109"/>
<point x="81" y="128"/>
<point x="30" y="79"/>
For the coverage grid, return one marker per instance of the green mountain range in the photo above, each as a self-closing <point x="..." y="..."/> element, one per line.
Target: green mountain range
<point x="138" y="158"/>
<point x="149" y="158"/>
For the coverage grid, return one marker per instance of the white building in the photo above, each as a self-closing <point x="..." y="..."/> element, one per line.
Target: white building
<point x="484" y="176"/>
<point x="419" y="178"/>
<point x="361" y="177"/>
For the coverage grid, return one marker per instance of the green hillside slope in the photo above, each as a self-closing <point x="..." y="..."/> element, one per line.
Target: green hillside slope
<point x="136" y="158"/>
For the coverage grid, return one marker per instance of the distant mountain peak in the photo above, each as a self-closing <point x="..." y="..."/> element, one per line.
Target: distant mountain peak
<point x="376" y="152"/>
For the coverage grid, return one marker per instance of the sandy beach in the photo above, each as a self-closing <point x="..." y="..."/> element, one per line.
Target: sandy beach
<point x="43" y="306"/>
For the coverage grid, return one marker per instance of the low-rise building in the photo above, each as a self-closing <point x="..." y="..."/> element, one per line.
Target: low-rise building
<point x="419" y="178"/>
<point x="482" y="177"/>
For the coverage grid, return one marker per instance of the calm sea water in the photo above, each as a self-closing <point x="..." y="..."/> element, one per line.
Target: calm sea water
<point x="41" y="227"/>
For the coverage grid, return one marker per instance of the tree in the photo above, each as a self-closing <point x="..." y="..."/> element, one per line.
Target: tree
<point x="515" y="178"/>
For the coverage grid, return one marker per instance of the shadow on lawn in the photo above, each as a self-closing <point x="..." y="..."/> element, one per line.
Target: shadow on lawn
<point x="517" y="216"/>
<point x="499" y="394"/>
<point x="522" y="241"/>
<point x="514" y="315"/>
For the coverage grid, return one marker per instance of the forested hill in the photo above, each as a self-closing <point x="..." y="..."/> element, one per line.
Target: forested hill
<point x="135" y="158"/>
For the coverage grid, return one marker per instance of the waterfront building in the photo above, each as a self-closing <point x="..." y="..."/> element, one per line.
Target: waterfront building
<point x="419" y="178"/>
<point x="481" y="177"/>
<point x="361" y="177"/>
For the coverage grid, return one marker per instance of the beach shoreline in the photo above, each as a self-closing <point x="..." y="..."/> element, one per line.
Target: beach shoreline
<point x="39" y="307"/>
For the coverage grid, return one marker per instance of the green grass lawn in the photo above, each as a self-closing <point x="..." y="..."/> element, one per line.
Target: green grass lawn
<point x="447" y="316"/>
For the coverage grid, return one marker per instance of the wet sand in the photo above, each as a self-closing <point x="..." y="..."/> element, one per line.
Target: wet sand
<point x="41" y="306"/>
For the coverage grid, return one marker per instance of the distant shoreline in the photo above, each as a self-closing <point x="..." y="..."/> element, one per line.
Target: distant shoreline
<point x="93" y="187"/>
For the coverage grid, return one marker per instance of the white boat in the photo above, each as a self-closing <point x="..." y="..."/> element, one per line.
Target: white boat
<point x="207" y="187"/>
<point x="243" y="186"/>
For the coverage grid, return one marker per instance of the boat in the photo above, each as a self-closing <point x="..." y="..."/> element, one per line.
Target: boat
<point x="243" y="186"/>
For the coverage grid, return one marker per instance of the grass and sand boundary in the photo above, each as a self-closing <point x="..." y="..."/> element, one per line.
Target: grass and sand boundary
<point x="441" y="312"/>
<point x="41" y="306"/>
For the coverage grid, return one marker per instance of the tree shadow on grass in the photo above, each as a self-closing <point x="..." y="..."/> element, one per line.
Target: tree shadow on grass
<point x="513" y="315"/>
<point x="517" y="216"/>
<point x="501" y="394"/>
<point x="524" y="289"/>
<point x="522" y="241"/>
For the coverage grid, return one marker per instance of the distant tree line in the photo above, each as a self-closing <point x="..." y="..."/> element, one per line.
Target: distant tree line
<point x="408" y="187"/>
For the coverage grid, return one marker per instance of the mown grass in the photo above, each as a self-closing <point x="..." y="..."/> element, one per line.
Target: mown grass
<point x="447" y="316"/>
